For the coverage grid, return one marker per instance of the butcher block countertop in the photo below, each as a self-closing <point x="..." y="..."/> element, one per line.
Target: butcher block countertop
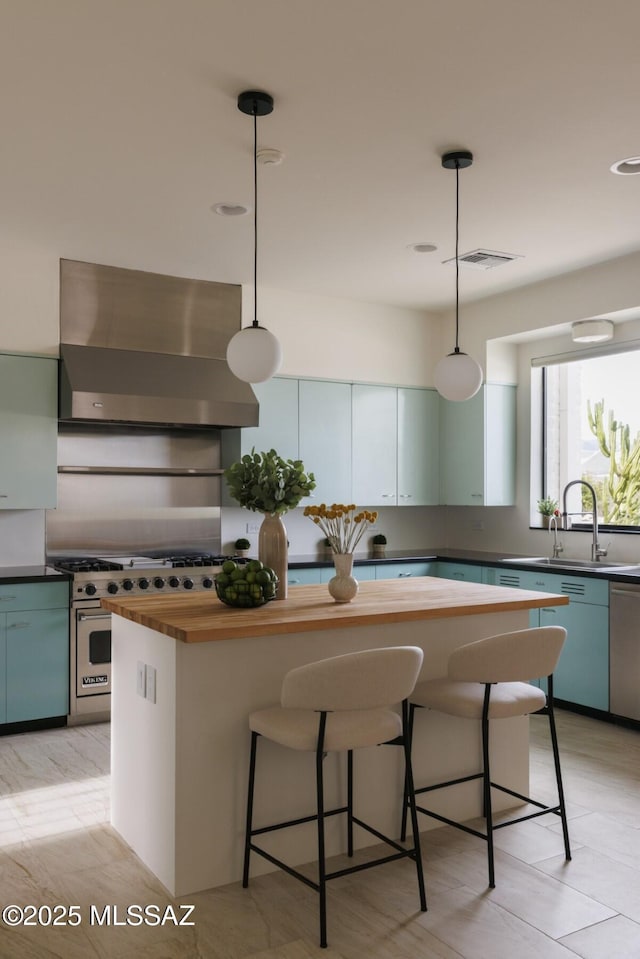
<point x="202" y="618"/>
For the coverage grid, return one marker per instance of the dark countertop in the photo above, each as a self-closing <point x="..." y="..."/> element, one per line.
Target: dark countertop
<point x="473" y="557"/>
<point x="31" y="574"/>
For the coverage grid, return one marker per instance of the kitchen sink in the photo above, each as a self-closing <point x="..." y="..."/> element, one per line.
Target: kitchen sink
<point x="569" y="563"/>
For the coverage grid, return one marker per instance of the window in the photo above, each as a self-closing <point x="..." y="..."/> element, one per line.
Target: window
<point x="591" y="426"/>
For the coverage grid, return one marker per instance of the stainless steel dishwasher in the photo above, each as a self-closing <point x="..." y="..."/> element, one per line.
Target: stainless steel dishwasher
<point x="624" y="649"/>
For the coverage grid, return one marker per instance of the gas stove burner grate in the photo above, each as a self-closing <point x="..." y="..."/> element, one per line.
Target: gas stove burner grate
<point x="86" y="565"/>
<point x="193" y="560"/>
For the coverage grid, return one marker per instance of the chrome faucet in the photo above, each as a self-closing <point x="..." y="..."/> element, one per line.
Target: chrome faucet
<point x="557" y="545"/>
<point x="596" y="551"/>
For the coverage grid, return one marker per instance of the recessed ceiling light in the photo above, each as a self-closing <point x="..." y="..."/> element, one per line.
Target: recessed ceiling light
<point x="422" y="247"/>
<point x="627" y="167"/>
<point x="269" y="157"/>
<point x="230" y="209"/>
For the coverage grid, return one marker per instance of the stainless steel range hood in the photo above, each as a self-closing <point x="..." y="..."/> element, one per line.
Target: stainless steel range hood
<point x="143" y="348"/>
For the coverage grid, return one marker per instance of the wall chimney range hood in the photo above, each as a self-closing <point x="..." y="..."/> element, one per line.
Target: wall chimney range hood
<point x="148" y="349"/>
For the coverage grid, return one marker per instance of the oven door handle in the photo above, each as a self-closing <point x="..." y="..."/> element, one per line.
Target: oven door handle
<point x="85" y="616"/>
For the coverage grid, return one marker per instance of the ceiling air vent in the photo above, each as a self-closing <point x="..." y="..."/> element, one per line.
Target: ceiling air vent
<point x="484" y="259"/>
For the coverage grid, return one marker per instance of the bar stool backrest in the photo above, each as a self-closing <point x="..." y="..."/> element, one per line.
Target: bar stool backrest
<point x="365" y="680"/>
<point x="510" y="657"/>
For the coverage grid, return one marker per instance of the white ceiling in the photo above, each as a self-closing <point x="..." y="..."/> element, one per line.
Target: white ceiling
<point x="120" y="130"/>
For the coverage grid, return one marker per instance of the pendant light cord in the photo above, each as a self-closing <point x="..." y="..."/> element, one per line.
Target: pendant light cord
<point x="457" y="348"/>
<point x="255" y="214"/>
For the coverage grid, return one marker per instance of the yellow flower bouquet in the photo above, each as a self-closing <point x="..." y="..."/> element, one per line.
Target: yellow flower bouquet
<point x="342" y="526"/>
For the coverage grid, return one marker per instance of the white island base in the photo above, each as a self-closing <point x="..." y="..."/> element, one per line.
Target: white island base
<point x="179" y="764"/>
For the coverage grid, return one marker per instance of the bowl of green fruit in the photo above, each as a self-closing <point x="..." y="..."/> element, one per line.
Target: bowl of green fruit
<point x="245" y="584"/>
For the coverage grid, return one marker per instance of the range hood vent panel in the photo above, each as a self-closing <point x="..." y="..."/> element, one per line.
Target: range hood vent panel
<point x="148" y="349"/>
<point x="130" y="386"/>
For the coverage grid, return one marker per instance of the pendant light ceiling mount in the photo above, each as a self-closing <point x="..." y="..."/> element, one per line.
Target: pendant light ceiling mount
<point x="254" y="354"/>
<point x="457" y="376"/>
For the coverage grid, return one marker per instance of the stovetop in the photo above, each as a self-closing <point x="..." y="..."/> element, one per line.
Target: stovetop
<point x="101" y="564"/>
<point x="97" y="576"/>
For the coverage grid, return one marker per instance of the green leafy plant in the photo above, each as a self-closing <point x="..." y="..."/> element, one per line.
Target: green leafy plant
<point x="619" y="491"/>
<point x="242" y="544"/>
<point x="266" y="483"/>
<point x="547" y="506"/>
<point x="379" y="540"/>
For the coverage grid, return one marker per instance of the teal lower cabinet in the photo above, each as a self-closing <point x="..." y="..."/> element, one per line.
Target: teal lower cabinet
<point x="34" y="652"/>
<point x="465" y="572"/>
<point x="302" y="577"/>
<point x="582" y="674"/>
<point x="404" y="570"/>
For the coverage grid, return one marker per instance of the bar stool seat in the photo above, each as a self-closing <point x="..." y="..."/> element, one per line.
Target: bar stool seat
<point x="488" y="680"/>
<point x="339" y="705"/>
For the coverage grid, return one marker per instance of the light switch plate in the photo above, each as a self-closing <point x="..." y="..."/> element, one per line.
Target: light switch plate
<point x="151" y="684"/>
<point x="141" y="679"/>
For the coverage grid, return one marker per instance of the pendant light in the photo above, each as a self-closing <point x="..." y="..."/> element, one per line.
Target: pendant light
<point x="254" y="354"/>
<point x="457" y="376"/>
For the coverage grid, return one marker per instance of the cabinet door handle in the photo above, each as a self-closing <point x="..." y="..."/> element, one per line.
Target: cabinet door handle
<point x="18" y="625"/>
<point x="4" y="496"/>
<point x="406" y="495"/>
<point x="7" y="599"/>
<point x="549" y="609"/>
<point x="387" y="495"/>
<point x="400" y="575"/>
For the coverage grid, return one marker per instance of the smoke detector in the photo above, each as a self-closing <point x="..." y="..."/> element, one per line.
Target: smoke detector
<point x="484" y="259"/>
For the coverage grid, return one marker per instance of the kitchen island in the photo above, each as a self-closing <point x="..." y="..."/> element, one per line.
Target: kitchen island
<point x="180" y="753"/>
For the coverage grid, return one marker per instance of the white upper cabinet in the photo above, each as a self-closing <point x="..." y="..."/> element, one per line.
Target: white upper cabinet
<point x="374" y="446"/>
<point x="28" y="432"/>
<point x="477" y="448"/>
<point x="325" y="439"/>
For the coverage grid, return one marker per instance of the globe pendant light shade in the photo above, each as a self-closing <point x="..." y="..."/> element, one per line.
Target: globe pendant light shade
<point x="458" y="377"/>
<point x="254" y="354"/>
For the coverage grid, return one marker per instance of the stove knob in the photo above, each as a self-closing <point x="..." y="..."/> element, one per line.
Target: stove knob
<point x="158" y="582"/>
<point x="207" y="582"/>
<point x="112" y="588"/>
<point x="90" y="589"/>
<point x="187" y="583"/>
<point x="143" y="583"/>
<point x="127" y="584"/>
<point x="174" y="581"/>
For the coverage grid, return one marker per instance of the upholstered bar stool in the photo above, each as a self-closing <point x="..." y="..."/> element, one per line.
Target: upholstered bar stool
<point x="490" y="680"/>
<point x="340" y="704"/>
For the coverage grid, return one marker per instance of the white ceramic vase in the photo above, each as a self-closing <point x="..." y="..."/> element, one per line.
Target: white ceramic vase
<point x="343" y="586"/>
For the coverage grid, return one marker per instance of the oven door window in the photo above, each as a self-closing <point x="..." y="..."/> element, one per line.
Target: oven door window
<point x="99" y="646"/>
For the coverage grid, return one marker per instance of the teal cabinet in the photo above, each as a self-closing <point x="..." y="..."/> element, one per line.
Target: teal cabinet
<point x="278" y="428"/>
<point x="582" y="674"/>
<point x="418" y="457"/>
<point x="34" y="651"/>
<point x="477" y="448"/>
<point x="302" y="577"/>
<point x="466" y="572"/>
<point x="325" y="438"/>
<point x="404" y="570"/>
<point x="374" y="445"/>
<point x="28" y="432"/>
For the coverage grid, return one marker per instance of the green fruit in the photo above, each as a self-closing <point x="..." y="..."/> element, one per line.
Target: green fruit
<point x="254" y="565"/>
<point x="263" y="576"/>
<point x="228" y="566"/>
<point x="237" y="575"/>
<point x="222" y="579"/>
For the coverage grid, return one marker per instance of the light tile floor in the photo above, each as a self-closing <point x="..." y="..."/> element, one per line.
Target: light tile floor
<point x="56" y="847"/>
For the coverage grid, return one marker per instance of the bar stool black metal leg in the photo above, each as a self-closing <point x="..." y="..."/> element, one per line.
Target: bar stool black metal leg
<point x="322" y="882"/>
<point x="350" y="803"/>
<point x="486" y="779"/>
<point x="411" y="800"/>
<point x="556" y="761"/>
<point x="405" y="801"/>
<point x="250" y="789"/>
